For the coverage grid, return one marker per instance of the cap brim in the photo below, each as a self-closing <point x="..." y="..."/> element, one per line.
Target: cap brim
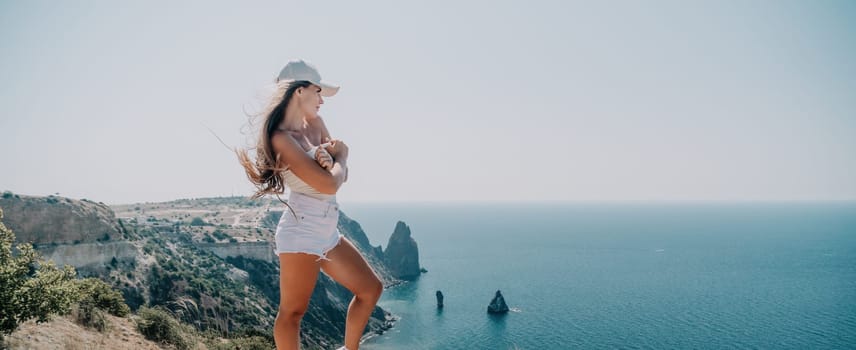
<point x="328" y="90"/>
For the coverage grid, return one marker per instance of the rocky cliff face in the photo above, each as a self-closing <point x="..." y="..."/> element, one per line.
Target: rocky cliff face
<point x="90" y="257"/>
<point x="401" y="254"/>
<point x="80" y="233"/>
<point x="374" y="255"/>
<point x="251" y="250"/>
<point x="59" y="220"/>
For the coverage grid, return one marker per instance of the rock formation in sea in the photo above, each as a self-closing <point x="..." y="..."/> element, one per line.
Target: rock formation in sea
<point x="497" y="305"/>
<point x="439" y="299"/>
<point x="401" y="254"/>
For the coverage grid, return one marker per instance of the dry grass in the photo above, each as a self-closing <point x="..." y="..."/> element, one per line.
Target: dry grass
<point x="63" y="333"/>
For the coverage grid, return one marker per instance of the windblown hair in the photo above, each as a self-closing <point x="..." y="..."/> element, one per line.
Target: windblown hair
<point x="266" y="171"/>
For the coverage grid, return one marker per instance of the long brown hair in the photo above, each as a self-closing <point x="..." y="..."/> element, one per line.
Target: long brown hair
<point x="266" y="171"/>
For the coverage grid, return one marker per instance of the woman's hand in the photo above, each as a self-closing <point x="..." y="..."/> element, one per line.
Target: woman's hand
<point x="338" y="149"/>
<point x="324" y="158"/>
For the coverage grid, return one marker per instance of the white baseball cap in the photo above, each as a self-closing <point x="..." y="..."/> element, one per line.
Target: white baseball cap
<point x="302" y="70"/>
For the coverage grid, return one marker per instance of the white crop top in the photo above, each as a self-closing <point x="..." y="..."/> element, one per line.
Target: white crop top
<point x="295" y="184"/>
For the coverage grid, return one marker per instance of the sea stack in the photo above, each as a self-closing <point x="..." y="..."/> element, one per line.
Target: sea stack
<point x="439" y="299"/>
<point x="402" y="255"/>
<point x="497" y="305"/>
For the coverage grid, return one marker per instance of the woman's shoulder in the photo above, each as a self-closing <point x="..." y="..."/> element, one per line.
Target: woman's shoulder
<point x="294" y="137"/>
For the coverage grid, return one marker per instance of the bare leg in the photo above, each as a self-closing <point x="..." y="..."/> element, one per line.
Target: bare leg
<point x="348" y="267"/>
<point x="298" y="273"/>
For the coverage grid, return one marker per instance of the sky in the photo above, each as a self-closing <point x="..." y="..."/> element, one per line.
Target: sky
<point x="441" y="100"/>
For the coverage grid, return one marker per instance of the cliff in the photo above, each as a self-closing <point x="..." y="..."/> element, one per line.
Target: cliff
<point x="401" y="254"/>
<point x="374" y="255"/>
<point x="59" y="220"/>
<point x="90" y="257"/>
<point x="80" y="233"/>
<point x="260" y="250"/>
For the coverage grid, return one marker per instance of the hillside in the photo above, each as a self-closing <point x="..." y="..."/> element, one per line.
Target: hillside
<point x="208" y="261"/>
<point x="62" y="333"/>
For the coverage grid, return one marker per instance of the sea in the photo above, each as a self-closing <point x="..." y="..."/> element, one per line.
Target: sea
<point x="623" y="275"/>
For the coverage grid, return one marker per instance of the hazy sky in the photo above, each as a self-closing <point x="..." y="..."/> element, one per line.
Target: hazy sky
<point x="440" y="100"/>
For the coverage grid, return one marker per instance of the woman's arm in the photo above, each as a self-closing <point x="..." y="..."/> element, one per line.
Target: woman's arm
<point x="319" y="126"/>
<point x="307" y="169"/>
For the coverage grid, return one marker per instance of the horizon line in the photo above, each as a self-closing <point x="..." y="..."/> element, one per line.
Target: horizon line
<point x="508" y="200"/>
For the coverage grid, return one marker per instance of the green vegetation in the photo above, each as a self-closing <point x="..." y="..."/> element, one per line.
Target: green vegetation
<point x="31" y="288"/>
<point x="102" y="296"/>
<point x="7" y="194"/>
<point x="264" y="276"/>
<point x="220" y="235"/>
<point x="247" y="343"/>
<point x="189" y="282"/>
<point x="88" y="315"/>
<point x="197" y="221"/>
<point x="186" y="296"/>
<point x="158" y="325"/>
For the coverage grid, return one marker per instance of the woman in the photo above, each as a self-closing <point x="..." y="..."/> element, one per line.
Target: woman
<point x="307" y="238"/>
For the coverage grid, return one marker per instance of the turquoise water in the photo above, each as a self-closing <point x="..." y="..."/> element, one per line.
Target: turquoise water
<point x="634" y="276"/>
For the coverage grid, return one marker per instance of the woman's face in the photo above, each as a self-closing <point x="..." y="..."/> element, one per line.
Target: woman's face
<point x="310" y="100"/>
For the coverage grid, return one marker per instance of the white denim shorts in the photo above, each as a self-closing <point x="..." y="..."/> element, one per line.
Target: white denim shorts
<point x="310" y="226"/>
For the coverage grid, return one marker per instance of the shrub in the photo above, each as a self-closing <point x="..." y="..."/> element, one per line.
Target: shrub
<point x="133" y="297"/>
<point x="89" y="315"/>
<point x="248" y="343"/>
<point x="158" y="325"/>
<point x="102" y="296"/>
<point x="197" y="221"/>
<point x="31" y="288"/>
<point x="7" y="194"/>
<point x="220" y="235"/>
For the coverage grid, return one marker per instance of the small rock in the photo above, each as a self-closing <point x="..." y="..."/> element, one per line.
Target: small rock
<point x="497" y="305"/>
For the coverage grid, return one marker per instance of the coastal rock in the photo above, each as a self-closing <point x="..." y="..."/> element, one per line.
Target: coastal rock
<point x="439" y="299"/>
<point x="374" y="255"/>
<point x="401" y="254"/>
<point x="497" y="305"/>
